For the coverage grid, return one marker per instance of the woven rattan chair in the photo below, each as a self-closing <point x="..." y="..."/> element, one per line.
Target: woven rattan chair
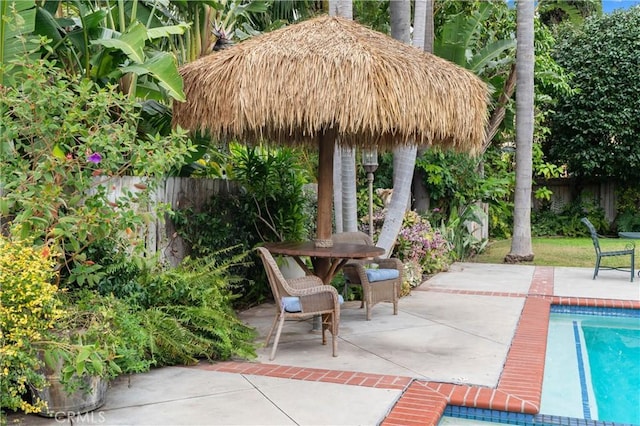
<point x="629" y="250"/>
<point x="358" y="272"/>
<point x="299" y="298"/>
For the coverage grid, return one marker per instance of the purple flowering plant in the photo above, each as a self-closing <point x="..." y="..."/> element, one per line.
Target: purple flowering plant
<point x="95" y="158"/>
<point x="420" y="243"/>
<point x="69" y="142"/>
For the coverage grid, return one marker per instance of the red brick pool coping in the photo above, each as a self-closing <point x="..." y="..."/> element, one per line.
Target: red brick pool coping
<point x="423" y="402"/>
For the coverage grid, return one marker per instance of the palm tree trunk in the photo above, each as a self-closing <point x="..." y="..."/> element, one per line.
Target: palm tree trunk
<point x="404" y="161"/>
<point x="348" y="184"/>
<point x="423" y="39"/>
<point x="344" y="190"/>
<point x="337" y="190"/>
<point x="521" y="248"/>
<point x="404" y="158"/>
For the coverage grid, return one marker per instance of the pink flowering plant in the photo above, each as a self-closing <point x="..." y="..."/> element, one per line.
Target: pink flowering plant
<point x="420" y="244"/>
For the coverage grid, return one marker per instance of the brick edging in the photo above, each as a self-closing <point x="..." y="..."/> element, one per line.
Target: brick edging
<point x="311" y="374"/>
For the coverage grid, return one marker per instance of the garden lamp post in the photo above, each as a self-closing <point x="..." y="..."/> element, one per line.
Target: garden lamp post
<point x="370" y="164"/>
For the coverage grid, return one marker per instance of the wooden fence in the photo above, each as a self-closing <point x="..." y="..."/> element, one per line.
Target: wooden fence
<point x="177" y="193"/>
<point x="181" y="193"/>
<point x="567" y="190"/>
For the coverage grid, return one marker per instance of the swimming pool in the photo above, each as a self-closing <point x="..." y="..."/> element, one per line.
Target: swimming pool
<point x="592" y="367"/>
<point x="591" y="374"/>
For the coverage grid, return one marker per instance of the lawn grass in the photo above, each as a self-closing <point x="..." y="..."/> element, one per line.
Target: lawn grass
<point x="559" y="251"/>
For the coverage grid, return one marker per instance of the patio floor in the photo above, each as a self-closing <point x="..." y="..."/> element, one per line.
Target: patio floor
<point x="474" y="336"/>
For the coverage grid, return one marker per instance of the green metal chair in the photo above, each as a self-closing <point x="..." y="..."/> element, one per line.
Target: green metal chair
<point x="628" y="251"/>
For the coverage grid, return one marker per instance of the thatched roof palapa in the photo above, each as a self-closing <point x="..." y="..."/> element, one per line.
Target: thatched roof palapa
<point x="293" y="84"/>
<point x="329" y="80"/>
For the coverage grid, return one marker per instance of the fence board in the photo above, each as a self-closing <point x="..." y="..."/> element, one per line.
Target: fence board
<point x="160" y="236"/>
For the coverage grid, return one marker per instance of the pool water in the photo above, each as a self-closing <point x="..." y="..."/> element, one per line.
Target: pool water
<point x="592" y="368"/>
<point x="591" y="374"/>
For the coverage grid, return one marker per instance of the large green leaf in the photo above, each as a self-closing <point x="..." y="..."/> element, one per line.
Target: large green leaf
<point x="17" y="21"/>
<point x="166" y="31"/>
<point x="458" y="36"/>
<point x="130" y="43"/>
<point x="148" y="90"/>
<point x="47" y="25"/>
<point x="489" y="53"/>
<point x="84" y="25"/>
<point x="163" y="68"/>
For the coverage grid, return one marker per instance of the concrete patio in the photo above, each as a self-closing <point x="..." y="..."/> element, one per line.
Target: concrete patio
<point x="457" y="329"/>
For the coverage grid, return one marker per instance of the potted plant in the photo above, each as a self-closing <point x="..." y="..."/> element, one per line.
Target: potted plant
<point x="76" y="379"/>
<point x="77" y="363"/>
<point x="98" y="338"/>
<point x="60" y="348"/>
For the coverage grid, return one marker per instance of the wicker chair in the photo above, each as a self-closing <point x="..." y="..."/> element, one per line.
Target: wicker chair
<point x="301" y="298"/>
<point x="357" y="273"/>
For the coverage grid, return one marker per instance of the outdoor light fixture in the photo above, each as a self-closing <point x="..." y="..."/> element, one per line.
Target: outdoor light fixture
<point x="370" y="164"/>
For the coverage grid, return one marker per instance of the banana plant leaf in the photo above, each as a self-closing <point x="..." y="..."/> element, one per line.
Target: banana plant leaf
<point x="17" y="21"/>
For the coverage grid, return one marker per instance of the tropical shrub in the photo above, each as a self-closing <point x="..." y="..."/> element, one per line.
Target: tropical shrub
<point x="274" y="179"/>
<point x="188" y="311"/>
<point x="566" y="220"/>
<point x="63" y="140"/>
<point x="171" y="316"/>
<point x="273" y="203"/>
<point x="456" y="184"/>
<point x="595" y="130"/>
<point x="458" y="230"/>
<point x="29" y="310"/>
<point x="628" y="217"/>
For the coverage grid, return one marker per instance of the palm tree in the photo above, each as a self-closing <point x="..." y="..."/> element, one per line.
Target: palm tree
<point x="521" y="249"/>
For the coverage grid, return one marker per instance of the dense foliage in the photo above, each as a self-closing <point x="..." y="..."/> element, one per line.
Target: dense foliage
<point x="419" y="243"/>
<point x="28" y="311"/>
<point x="63" y="140"/>
<point x="273" y="203"/>
<point x="595" y="131"/>
<point x="456" y="184"/>
<point x="187" y="311"/>
<point x="628" y="202"/>
<point x="66" y="144"/>
<point x="566" y="221"/>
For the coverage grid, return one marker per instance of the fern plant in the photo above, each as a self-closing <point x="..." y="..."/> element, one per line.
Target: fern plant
<point x="189" y="312"/>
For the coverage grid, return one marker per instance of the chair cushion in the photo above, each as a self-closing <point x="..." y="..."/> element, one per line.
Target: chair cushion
<point x="292" y="303"/>
<point x="382" y="274"/>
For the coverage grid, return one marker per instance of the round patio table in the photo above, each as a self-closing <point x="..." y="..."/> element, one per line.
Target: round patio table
<point x="632" y="235"/>
<point x="326" y="261"/>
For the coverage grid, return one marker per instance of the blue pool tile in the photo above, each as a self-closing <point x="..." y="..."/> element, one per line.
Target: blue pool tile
<point x="521" y="419"/>
<point x="597" y="311"/>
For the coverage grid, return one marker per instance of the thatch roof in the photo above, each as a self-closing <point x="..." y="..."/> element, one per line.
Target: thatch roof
<point x="289" y="85"/>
